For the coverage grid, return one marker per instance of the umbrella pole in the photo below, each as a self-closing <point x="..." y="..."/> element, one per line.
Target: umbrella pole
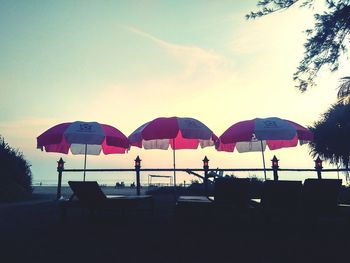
<point x="85" y="161"/>
<point x="174" y="166"/>
<point x="263" y="157"/>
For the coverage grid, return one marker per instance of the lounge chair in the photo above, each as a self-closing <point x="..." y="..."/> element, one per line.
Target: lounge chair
<point x="320" y="197"/>
<point x="232" y="191"/>
<point x="231" y="197"/>
<point x="88" y="195"/>
<point x="281" y="199"/>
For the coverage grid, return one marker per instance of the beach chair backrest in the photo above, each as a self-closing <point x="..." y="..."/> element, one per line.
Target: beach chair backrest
<point x="321" y="193"/>
<point x="234" y="191"/>
<point x="88" y="192"/>
<point x="281" y="195"/>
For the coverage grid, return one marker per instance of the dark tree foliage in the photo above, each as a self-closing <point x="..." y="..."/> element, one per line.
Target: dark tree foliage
<point x="325" y="43"/>
<point x="15" y="174"/>
<point x="331" y="135"/>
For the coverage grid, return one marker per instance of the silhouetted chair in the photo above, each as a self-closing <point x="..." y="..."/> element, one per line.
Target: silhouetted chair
<point x="320" y="197"/>
<point x="231" y="197"/>
<point x="89" y="195"/>
<point x="232" y="191"/>
<point x="281" y="199"/>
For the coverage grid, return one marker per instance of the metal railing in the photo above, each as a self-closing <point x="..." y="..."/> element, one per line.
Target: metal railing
<point x="193" y="171"/>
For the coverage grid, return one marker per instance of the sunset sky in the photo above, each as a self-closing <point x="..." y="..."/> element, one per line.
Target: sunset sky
<point x="124" y="63"/>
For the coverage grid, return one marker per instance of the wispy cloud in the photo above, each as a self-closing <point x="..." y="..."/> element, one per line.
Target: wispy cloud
<point x="26" y="128"/>
<point x="192" y="56"/>
<point x="21" y="133"/>
<point x="272" y="33"/>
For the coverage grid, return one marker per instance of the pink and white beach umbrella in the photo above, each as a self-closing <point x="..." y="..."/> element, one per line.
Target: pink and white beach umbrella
<point x="176" y="132"/>
<point x="254" y="135"/>
<point x="83" y="138"/>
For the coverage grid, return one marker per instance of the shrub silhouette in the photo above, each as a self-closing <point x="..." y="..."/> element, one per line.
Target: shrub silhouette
<point x="15" y="174"/>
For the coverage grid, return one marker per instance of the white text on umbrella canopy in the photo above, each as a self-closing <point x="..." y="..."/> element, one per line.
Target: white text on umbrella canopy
<point x="191" y="128"/>
<point x="84" y="133"/>
<point x="273" y="129"/>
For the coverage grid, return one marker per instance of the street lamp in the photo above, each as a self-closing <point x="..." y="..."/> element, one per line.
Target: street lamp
<point x="275" y="167"/>
<point x="60" y="168"/>
<point x="60" y="165"/>
<point x="205" y="163"/>
<point x="318" y="163"/>
<point x="318" y="167"/>
<point x="206" y="168"/>
<point x="138" y="162"/>
<point x="137" y="169"/>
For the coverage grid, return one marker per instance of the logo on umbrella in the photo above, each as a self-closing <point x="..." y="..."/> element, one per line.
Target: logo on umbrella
<point x="191" y="123"/>
<point x="85" y="127"/>
<point x="270" y="124"/>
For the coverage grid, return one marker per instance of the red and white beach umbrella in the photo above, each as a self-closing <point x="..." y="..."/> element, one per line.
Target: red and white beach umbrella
<point x="254" y="135"/>
<point x="176" y="132"/>
<point x="83" y="138"/>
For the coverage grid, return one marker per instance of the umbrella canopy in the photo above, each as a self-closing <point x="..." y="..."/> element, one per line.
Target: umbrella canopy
<point x="254" y="135"/>
<point x="83" y="138"/>
<point x="179" y="133"/>
<point x="176" y="132"/>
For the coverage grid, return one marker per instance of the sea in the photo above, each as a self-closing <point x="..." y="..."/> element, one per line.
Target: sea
<point x="167" y="178"/>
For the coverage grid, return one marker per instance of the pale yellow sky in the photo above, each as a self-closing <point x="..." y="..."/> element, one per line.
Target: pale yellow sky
<point x="136" y="69"/>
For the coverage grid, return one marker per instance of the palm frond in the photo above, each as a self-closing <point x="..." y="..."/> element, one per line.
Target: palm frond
<point x="344" y="90"/>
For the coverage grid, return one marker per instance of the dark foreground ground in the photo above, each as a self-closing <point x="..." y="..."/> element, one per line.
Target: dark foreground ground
<point x="33" y="232"/>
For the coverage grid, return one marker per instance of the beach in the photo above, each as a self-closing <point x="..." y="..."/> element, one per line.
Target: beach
<point x="33" y="232"/>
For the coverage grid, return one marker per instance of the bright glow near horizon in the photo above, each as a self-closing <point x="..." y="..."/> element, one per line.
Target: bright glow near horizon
<point x="126" y="63"/>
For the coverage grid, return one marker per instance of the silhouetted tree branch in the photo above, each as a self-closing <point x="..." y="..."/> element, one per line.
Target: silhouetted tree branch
<point x="325" y="43"/>
<point x="331" y="135"/>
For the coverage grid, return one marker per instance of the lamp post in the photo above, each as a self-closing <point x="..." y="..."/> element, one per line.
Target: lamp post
<point x="206" y="168"/>
<point x="137" y="169"/>
<point x="60" y="168"/>
<point x="318" y="167"/>
<point x="205" y="164"/>
<point x="275" y="167"/>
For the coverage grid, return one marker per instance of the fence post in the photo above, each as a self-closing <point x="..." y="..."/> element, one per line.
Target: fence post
<point x="275" y="167"/>
<point x="60" y="168"/>
<point x="318" y="167"/>
<point x="206" y="168"/>
<point x="137" y="169"/>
